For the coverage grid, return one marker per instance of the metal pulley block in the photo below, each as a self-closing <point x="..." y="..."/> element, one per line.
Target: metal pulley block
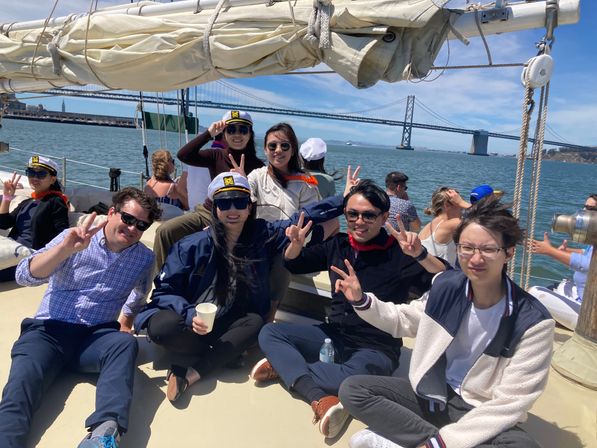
<point x="537" y="71"/>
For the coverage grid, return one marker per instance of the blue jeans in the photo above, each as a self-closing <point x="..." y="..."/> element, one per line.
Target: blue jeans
<point x="293" y="351"/>
<point x="44" y="349"/>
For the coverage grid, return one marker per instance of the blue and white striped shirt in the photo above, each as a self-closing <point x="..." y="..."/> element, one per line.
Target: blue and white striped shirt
<point x="92" y="286"/>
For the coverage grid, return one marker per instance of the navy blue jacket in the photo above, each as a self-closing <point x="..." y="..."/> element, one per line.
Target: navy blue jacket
<point x="191" y="266"/>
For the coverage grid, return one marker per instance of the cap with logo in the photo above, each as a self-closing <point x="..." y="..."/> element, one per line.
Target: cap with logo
<point x="43" y="162"/>
<point x="480" y="192"/>
<point x="228" y="185"/>
<point x="313" y="149"/>
<point x="237" y="116"/>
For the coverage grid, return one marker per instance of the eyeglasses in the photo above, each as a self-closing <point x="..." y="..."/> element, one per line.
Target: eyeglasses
<point x="591" y="208"/>
<point x="367" y="216"/>
<point x="284" y="146"/>
<point x="242" y="129"/>
<point x="130" y="220"/>
<point x="237" y="203"/>
<point x="30" y="172"/>
<point x="489" y="253"/>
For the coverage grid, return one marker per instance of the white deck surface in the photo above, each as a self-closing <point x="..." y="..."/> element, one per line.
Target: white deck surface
<point x="227" y="409"/>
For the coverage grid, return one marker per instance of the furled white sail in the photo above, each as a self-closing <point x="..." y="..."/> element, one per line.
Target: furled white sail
<point x="368" y="41"/>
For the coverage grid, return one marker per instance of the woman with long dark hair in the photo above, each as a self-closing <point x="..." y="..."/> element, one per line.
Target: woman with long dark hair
<point x="239" y="137"/>
<point x="35" y="221"/>
<point x="227" y="265"/>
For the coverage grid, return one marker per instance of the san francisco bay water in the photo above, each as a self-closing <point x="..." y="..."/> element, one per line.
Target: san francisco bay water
<point x="563" y="187"/>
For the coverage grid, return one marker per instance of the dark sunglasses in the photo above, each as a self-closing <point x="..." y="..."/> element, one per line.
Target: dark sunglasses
<point x="284" y="146"/>
<point x="366" y="216"/>
<point x="237" y="203"/>
<point x="591" y="208"/>
<point x="242" y="129"/>
<point x="30" y="172"/>
<point x="130" y="220"/>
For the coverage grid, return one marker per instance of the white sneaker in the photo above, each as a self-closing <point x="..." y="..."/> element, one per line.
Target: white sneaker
<point x="368" y="439"/>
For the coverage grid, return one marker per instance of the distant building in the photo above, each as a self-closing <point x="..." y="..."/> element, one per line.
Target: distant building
<point x="63" y="106"/>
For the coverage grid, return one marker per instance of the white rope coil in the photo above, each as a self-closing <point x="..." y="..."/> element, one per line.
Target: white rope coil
<point x="318" y="28"/>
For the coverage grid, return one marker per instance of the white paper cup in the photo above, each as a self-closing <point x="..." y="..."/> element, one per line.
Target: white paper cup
<point x="207" y="313"/>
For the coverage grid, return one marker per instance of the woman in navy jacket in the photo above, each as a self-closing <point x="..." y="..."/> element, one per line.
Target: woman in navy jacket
<point x="228" y="265"/>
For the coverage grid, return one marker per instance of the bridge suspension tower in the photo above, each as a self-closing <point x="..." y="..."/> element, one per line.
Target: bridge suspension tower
<point x="408" y="124"/>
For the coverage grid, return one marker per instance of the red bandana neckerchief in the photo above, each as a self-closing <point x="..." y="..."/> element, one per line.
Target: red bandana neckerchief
<point x="304" y="177"/>
<point x="364" y="247"/>
<point x="40" y="196"/>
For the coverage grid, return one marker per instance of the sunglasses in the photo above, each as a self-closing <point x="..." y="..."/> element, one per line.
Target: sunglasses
<point x="130" y="220"/>
<point x="237" y="203"/>
<point x="284" y="146"/>
<point x="30" y="172"/>
<point x="366" y="216"/>
<point x="242" y="129"/>
<point x="591" y="208"/>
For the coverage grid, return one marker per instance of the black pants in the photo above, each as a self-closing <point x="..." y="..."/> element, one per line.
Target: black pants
<point x="231" y="335"/>
<point x="389" y="406"/>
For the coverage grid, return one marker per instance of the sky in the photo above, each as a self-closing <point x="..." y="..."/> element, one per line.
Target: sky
<point x="489" y="99"/>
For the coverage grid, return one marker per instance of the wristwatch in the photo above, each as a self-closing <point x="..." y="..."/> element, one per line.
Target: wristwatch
<point x="422" y="255"/>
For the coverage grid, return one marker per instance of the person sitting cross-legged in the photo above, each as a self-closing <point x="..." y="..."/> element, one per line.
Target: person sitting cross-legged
<point x="389" y="264"/>
<point x="99" y="277"/>
<point x="481" y="355"/>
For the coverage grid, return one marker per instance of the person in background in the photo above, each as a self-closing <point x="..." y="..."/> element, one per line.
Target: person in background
<point x="563" y="299"/>
<point x="35" y="221"/>
<point x="279" y="190"/>
<point x="98" y="279"/>
<point x="483" y="191"/>
<point x="313" y="152"/>
<point x="237" y="127"/>
<point x="438" y="235"/>
<point x="161" y="186"/>
<point x="481" y="356"/>
<point x="396" y="186"/>
<point x="390" y="264"/>
<point x="227" y="265"/>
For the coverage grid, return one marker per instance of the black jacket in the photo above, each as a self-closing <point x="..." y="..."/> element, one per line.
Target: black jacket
<point x="49" y="218"/>
<point x="389" y="274"/>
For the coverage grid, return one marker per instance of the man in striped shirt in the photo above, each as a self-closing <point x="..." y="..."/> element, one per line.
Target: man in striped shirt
<point x="98" y="278"/>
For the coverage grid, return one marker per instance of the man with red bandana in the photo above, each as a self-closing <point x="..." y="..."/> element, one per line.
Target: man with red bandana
<point x="393" y="265"/>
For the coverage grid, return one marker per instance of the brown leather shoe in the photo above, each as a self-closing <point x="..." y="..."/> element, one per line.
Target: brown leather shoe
<point x="263" y="371"/>
<point x="330" y="414"/>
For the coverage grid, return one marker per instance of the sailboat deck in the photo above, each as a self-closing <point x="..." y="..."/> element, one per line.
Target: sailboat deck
<point x="227" y="409"/>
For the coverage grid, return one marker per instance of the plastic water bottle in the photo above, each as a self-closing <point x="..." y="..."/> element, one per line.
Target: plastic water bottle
<point x="326" y="352"/>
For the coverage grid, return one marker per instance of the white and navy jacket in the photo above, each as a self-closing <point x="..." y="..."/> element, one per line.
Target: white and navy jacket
<point x="506" y="379"/>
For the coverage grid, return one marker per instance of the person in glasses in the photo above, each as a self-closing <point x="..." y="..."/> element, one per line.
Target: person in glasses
<point x="228" y="265"/>
<point x="161" y="185"/>
<point x="237" y="128"/>
<point x="481" y="356"/>
<point x="391" y="264"/>
<point x="563" y="299"/>
<point x="35" y="221"/>
<point x="279" y="190"/>
<point x="438" y="235"/>
<point x="98" y="279"/>
<point x="396" y="187"/>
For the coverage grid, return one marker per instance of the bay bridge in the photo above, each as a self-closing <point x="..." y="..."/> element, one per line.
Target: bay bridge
<point x="479" y="137"/>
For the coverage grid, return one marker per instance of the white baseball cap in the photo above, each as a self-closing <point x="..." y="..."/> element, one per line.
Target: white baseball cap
<point x="313" y="149"/>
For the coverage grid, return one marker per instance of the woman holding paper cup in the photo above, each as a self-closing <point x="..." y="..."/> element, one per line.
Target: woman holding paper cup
<point x="226" y="266"/>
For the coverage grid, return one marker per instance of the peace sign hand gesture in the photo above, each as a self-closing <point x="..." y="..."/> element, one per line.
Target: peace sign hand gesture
<point x="236" y="168"/>
<point x="348" y="283"/>
<point x="352" y="179"/>
<point x="297" y="233"/>
<point x="409" y="241"/>
<point x="10" y="186"/>
<point x="78" y="238"/>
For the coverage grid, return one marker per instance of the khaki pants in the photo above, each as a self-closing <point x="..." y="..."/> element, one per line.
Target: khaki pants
<point x="177" y="228"/>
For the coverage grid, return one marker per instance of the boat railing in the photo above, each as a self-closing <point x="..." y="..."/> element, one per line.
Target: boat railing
<point x="66" y="164"/>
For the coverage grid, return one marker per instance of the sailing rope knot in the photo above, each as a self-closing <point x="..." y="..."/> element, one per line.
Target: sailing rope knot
<point x="319" y="23"/>
<point x="53" y="50"/>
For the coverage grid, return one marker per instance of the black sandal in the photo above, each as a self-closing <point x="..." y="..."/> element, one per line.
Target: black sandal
<point x="177" y="382"/>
